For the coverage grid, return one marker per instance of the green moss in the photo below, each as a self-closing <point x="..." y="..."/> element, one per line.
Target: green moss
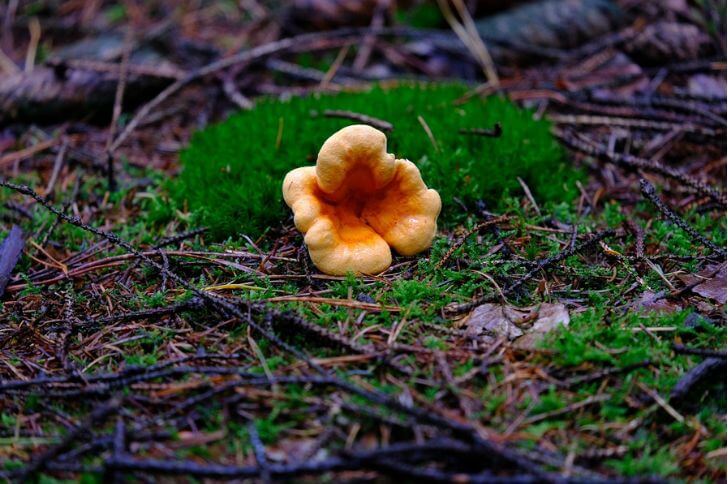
<point x="617" y="343"/>
<point x="648" y="462"/>
<point x="421" y="16"/>
<point x="232" y="172"/>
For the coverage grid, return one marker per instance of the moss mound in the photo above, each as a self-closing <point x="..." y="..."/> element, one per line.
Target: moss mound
<point x="232" y="172"/>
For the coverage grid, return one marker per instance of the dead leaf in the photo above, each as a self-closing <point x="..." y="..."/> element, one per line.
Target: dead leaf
<point x="550" y="316"/>
<point x="651" y="301"/>
<point x="525" y="324"/>
<point x="713" y="285"/>
<point x="491" y="319"/>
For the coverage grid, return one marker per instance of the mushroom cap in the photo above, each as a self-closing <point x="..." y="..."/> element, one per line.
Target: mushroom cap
<point x="358" y="201"/>
<point x="354" y="159"/>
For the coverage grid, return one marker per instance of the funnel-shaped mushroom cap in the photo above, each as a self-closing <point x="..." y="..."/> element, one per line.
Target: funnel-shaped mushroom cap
<point x="358" y="201"/>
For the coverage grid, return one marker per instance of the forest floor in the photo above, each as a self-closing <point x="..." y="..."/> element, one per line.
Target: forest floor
<point x="540" y="338"/>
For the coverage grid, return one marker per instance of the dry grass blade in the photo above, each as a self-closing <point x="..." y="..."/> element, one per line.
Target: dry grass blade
<point x="469" y="36"/>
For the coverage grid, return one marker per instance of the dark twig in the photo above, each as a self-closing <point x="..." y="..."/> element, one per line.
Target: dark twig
<point x="259" y="452"/>
<point x="495" y="132"/>
<point x="635" y="163"/>
<point x="118" y="448"/>
<point x="107" y="382"/>
<point x="648" y="190"/>
<point x="564" y="254"/>
<point x="234" y="94"/>
<point x="361" y="118"/>
<point x="644" y="124"/>
<point x="176" y="239"/>
<point x="708" y="353"/>
<point x="378" y="17"/>
<point x="482" y="209"/>
<point x="97" y="416"/>
<point x="392" y="459"/>
<point x="91" y="324"/>
<point x="71" y="200"/>
<point x="709" y="370"/>
<point x="639" y="238"/>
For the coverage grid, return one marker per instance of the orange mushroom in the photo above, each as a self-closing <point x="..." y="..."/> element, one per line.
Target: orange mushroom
<point x="358" y="201"/>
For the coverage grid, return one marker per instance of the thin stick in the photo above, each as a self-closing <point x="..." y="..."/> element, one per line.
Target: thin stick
<point x="428" y="132"/>
<point x="495" y="132"/>
<point x="362" y="57"/>
<point x="234" y="94"/>
<point x="11" y="158"/>
<point x="639" y="238"/>
<point x="34" y="28"/>
<point x="259" y="452"/>
<point x="587" y="119"/>
<point x="568" y="409"/>
<point x="160" y="72"/>
<point x="362" y="118"/>
<point x="468" y="35"/>
<point x="598" y="375"/>
<point x="708" y="353"/>
<point x="661" y="402"/>
<point x="118" y="101"/>
<point x="57" y="166"/>
<point x="529" y="195"/>
<point x="99" y="414"/>
<point x="335" y="66"/>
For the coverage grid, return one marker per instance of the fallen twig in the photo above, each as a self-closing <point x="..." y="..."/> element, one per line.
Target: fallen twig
<point x="635" y="163"/>
<point x="710" y="369"/>
<point x="648" y="190"/>
<point x="98" y="415"/>
<point x="361" y="118"/>
<point x="495" y="132"/>
<point x="708" y="353"/>
<point x="118" y="101"/>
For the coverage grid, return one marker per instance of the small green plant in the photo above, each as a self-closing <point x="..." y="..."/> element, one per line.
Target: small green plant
<point x="232" y="172"/>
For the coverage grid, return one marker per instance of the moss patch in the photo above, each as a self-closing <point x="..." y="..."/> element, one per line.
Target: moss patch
<point x="232" y="171"/>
